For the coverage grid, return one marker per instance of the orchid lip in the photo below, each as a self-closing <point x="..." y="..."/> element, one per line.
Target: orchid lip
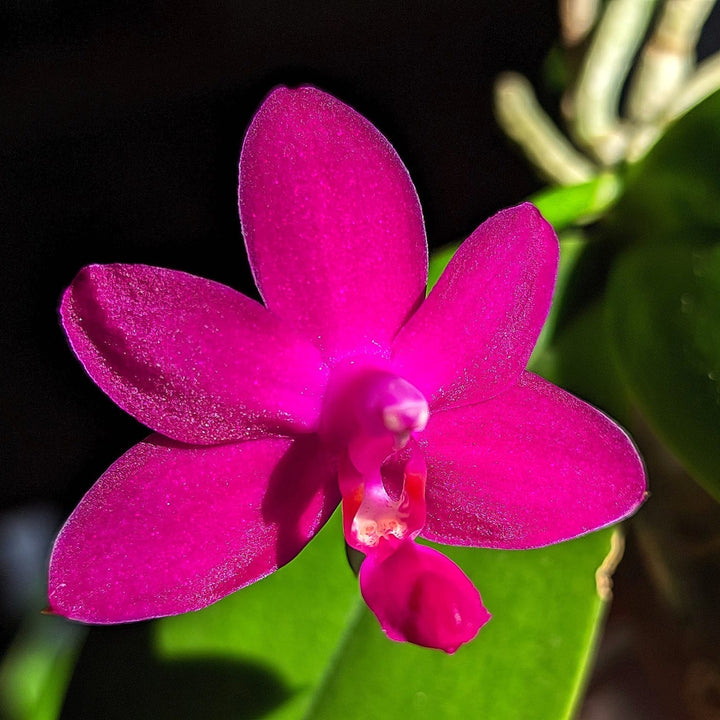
<point x="379" y="517"/>
<point x="381" y="412"/>
<point x="416" y="593"/>
<point x="373" y="521"/>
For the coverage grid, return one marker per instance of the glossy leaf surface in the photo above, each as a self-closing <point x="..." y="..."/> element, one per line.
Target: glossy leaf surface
<point x="673" y="195"/>
<point x="309" y="627"/>
<point x="664" y="312"/>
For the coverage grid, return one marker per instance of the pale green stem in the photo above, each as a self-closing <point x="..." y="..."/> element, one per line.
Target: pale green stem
<point x="577" y="18"/>
<point x="700" y="85"/>
<point x="524" y="121"/>
<point x="667" y="59"/>
<point x="596" y="99"/>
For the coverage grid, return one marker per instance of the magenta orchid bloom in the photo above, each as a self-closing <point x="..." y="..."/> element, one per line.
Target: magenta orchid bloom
<point x="347" y="384"/>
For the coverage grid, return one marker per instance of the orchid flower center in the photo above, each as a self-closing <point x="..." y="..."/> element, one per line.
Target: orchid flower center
<point x="380" y="413"/>
<point x="417" y="594"/>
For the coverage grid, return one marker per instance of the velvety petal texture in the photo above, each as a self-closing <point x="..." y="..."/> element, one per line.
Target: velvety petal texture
<point x="332" y="222"/>
<point x="420" y="596"/>
<point x="474" y="334"/>
<point x="171" y="528"/>
<point x="189" y="357"/>
<point x="531" y="467"/>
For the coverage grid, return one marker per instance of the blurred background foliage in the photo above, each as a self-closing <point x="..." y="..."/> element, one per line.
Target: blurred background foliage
<point x="119" y="142"/>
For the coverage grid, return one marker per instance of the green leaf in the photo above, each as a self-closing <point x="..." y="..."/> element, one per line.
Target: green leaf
<point x="528" y="662"/>
<point x="566" y="205"/>
<point x="438" y="262"/>
<point x="37" y="667"/>
<point x="580" y="360"/>
<point x="673" y="194"/>
<point x="258" y="653"/>
<point x="291" y="622"/>
<point x="301" y="644"/>
<point x="664" y="315"/>
<point x="561" y="206"/>
<point x="572" y="245"/>
<point x="310" y="626"/>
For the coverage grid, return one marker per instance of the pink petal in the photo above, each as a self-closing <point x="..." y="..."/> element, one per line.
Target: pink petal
<point x="531" y="467"/>
<point x="473" y="335"/>
<point x="332" y="222"/>
<point x="191" y="358"/>
<point x="422" y="597"/>
<point x="171" y="528"/>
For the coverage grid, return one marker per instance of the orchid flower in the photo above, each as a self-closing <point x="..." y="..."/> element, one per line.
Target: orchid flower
<point x="347" y="384"/>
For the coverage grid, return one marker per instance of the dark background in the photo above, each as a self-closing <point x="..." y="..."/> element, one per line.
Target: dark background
<point x="120" y="129"/>
<point x="120" y="132"/>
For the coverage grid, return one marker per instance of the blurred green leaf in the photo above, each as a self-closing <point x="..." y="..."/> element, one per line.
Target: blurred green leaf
<point x="572" y="244"/>
<point x="581" y="361"/>
<point x="561" y="206"/>
<point x="37" y="667"/>
<point x="566" y="205"/>
<point x="673" y="194"/>
<point x="664" y="314"/>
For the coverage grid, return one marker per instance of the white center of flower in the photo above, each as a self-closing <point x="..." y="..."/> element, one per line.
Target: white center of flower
<point x="379" y="517"/>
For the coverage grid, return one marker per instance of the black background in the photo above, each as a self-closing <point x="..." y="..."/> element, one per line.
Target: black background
<point x="120" y="131"/>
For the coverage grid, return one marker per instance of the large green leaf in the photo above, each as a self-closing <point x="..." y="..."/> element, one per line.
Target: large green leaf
<point x="310" y="627"/>
<point x="301" y="644"/>
<point x="673" y="194"/>
<point x="256" y="654"/>
<point x="528" y="662"/>
<point x="291" y="622"/>
<point x="664" y="314"/>
<point x="36" y="670"/>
